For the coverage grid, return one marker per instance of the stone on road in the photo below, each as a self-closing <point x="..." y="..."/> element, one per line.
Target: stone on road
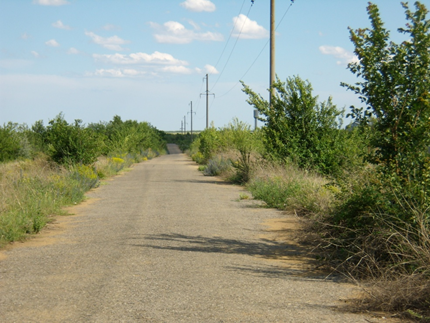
<point x="163" y="243"/>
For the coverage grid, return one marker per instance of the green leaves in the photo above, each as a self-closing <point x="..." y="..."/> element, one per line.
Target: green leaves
<point x="299" y="128"/>
<point x="394" y="88"/>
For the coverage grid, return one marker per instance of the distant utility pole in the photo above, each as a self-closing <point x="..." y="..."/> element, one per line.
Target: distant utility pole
<point x="185" y="125"/>
<point x="256" y="118"/>
<point x="182" y="126"/>
<point x="272" y="50"/>
<point x="191" y="104"/>
<point x="207" y="100"/>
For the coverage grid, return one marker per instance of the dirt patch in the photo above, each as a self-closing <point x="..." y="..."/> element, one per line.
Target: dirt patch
<point x="285" y="233"/>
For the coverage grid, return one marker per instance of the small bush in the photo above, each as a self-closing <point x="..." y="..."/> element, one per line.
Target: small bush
<point x="217" y="166"/>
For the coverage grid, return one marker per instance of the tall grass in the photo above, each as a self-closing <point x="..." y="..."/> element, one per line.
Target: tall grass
<point x="32" y="191"/>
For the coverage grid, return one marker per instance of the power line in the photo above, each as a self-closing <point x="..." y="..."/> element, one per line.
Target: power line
<point x="234" y="46"/>
<point x="229" y="37"/>
<point x="259" y="54"/>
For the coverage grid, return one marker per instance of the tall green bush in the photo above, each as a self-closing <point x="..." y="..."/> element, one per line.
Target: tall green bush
<point x="300" y="129"/>
<point x="71" y="143"/>
<point x="9" y="142"/>
<point x="395" y="91"/>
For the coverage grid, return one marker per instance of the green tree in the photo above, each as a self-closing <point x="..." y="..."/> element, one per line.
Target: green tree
<point x="394" y="88"/>
<point x="71" y="143"/>
<point x="299" y="128"/>
<point x="9" y="142"/>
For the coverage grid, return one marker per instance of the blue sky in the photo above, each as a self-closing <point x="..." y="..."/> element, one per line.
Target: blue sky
<point x="146" y="60"/>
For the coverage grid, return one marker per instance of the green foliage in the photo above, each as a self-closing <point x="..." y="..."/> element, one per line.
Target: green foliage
<point x="128" y="136"/>
<point x="209" y="143"/>
<point x="71" y="143"/>
<point x="381" y="225"/>
<point x="182" y="140"/>
<point x="9" y="142"/>
<point x="300" y="129"/>
<point x="395" y="91"/>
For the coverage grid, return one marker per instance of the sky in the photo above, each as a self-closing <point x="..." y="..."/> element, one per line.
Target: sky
<point x="146" y="60"/>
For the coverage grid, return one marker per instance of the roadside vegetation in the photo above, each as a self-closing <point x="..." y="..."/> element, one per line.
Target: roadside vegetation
<point x="44" y="168"/>
<point x="364" y="188"/>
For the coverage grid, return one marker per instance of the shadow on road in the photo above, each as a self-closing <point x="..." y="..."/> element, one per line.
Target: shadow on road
<point x="294" y="260"/>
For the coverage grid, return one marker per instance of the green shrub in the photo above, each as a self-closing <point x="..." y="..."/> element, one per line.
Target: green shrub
<point x="9" y="142"/>
<point x="299" y="129"/>
<point x="71" y="144"/>
<point x="216" y="166"/>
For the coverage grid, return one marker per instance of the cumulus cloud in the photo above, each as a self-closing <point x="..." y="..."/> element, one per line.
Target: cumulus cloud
<point x="35" y="54"/>
<point x="73" y="51"/>
<point x="112" y="43"/>
<point x="211" y="69"/>
<point x="25" y="36"/>
<point x="116" y="72"/>
<point x="52" y="43"/>
<point x="198" y="5"/>
<point x="246" y="28"/>
<point x="139" y="58"/>
<point x="173" y="32"/>
<point x="51" y="2"/>
<point x="177" y="69"/>
<point x="344" y="57"/>
<point x="59" y="24"/>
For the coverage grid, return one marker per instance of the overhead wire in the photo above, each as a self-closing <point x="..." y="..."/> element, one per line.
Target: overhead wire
<point x="229" y="37"/>
<point x="234" y="46"/>
<point x="259" y="54"/>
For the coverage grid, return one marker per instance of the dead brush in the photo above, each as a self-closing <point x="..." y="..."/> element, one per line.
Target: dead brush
<point x="392" y="261"/>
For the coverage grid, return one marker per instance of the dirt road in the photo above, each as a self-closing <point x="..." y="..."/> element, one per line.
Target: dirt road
<point x="163" y="243"/>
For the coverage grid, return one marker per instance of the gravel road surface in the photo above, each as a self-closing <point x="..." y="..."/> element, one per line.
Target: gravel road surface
<point x="163" y="243"/>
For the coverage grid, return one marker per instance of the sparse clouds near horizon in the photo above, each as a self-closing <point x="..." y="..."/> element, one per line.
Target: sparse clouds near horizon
<point x="112" y="43"/>
<point x="139" y="58"/>
<point x="51" y="2"/>
<point x="173" y="32"/>
<point x="199" y="5"/>
<point x="246" y="28"/>
<point x="344" y="57"/>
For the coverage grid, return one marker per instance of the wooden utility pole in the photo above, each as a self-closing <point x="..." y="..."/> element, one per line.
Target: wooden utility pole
<point x="185" y="125"/>
<point x="272" y="49"/>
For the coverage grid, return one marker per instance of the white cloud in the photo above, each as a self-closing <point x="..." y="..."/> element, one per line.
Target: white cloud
<point x="51" y="2"/>
<point x="73" y="51"/>
<point x="194" y="24"/>
<point x="110" y="27"/>
<point x="340" y="53"/>
<point x="52" y="43"/>
<point x="35" y="54"/>
<point x="25" y="36"/>
<point x="246" y="28"/>
<point x="59" y="24"/>
<point x="211" y="69"/>
<point x="116" y="72"/>
<point x="139" y="58"/>
<point x="198" y="5"/>
<point x="14" y="64"/>
<point x="173" y="32"/>
<point x="112" y="43"/>
<point x="177" y="69"/>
